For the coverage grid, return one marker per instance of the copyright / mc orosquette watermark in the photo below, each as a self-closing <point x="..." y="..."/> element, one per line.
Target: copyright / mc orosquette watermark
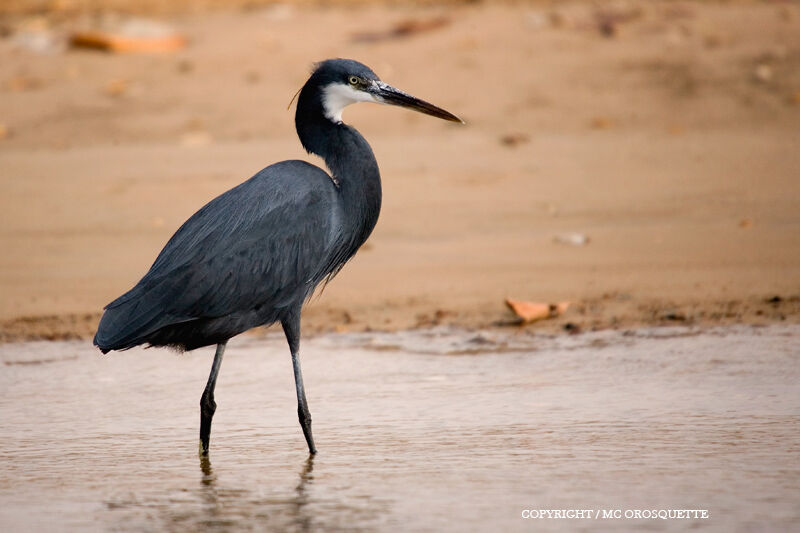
<point x="611" y="514"/>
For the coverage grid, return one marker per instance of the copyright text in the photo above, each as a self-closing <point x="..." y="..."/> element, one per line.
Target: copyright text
<point x="610" y="514"/>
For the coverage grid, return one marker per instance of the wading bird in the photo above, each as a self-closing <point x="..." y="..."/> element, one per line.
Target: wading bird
<point x="254" y="255"/>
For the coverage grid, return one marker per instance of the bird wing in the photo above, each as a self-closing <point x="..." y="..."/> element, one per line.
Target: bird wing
<point x="265" y="242"/>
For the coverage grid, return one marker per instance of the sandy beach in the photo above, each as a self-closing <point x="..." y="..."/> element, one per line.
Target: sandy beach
<point x="639" y="162"/>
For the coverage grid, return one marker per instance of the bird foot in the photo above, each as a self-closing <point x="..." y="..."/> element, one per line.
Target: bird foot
<point x="202" y="450"/>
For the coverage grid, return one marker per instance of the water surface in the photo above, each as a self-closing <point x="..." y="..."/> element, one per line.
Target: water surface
<point x="422" y="431"/>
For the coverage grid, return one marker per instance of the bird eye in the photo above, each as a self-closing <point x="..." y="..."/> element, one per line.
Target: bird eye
<point x="353" y="80"/>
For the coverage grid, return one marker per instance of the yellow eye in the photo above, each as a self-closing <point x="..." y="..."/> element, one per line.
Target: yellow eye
<point x="353" y="80"/>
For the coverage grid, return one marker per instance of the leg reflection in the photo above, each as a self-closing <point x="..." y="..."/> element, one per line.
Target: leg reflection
<point x="282" y="510"/>
<point x="303" y="517"/>
<point x="208" y="490"/>
<point x="208" y="473"/>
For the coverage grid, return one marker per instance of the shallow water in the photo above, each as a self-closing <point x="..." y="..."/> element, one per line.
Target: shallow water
<point x="422" y="431"/>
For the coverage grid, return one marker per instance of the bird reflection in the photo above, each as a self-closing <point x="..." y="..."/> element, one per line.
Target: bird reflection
<point x="295" y="509"/>
<point x="208" y="473"/>
<point x="208" y="493"/>
<point x="301" y="515"/>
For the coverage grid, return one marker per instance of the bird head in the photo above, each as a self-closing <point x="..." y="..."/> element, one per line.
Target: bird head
<point x="342" y="82"/>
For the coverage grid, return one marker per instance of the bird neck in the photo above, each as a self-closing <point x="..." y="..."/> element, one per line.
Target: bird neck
<point x="349" y="158"/>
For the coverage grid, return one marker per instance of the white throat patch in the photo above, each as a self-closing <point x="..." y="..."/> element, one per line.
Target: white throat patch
<point x="337" y="96"/>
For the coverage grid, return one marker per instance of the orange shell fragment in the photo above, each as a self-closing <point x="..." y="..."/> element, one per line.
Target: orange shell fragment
<point x="123" y="43"/>
<point x="533" y="311"/>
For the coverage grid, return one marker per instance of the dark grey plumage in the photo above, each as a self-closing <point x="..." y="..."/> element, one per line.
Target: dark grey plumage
<point x="253" y="255"/>
<point x="247" y="258"/>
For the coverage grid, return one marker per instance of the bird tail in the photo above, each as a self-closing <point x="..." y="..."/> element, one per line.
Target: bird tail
<point x="129" y="320"/>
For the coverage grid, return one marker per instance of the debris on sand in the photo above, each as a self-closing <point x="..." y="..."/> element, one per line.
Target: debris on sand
<point x="601" y="123"/>
<point x="573" y="239"/>
<point x="514" y="139"/>
<point x="673" y="316"/>
<point x="533" y="311"/>
<point x="130" y="35"/>
<point x="762" y="73"/>
<point x="608" y="21"/>
<point x="403" y="28"/>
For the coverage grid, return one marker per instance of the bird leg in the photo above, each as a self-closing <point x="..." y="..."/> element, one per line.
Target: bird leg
<point x="207" y="403"/>
<point x="302" y="405"/>
<point x="291" y="328"/>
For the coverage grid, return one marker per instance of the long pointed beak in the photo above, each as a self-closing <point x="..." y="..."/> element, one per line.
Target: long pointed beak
<point x="386" y="94"/>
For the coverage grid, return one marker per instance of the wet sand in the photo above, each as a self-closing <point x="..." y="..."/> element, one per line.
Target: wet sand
<point x="432" y="430"/>
<point x="672" y="145"/>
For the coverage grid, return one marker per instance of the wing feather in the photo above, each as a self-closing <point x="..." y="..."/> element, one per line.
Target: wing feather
<point x="266" y="242"/>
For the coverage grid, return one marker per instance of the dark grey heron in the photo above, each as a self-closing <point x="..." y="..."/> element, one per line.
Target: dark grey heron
<point x="255" y="254"/>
